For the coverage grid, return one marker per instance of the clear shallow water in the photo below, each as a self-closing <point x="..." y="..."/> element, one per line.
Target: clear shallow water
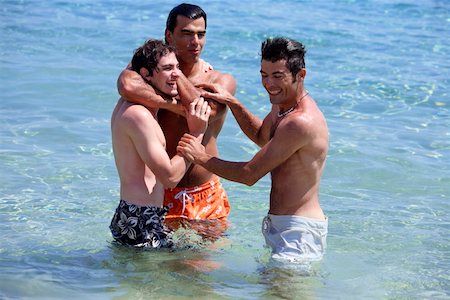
<point x="378" y="69"/>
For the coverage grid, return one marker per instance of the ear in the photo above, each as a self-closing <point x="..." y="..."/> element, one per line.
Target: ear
<point x="144" y="72"/>
<point x="301" y="74"/>
<point x="168" y="36"/>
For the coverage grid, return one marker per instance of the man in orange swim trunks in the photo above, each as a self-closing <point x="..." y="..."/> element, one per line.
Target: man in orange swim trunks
<point x="199" y="195"/>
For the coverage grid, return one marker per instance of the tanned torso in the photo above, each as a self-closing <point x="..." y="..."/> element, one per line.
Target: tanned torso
<point x="174" y="126"/>
<point x="295" y="183"/>
<point x="138" y="183"/>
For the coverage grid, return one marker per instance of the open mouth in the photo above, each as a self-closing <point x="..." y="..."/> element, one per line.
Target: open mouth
<point x="274" y="92"/>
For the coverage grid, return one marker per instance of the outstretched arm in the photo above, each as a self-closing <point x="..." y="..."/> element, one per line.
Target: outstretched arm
<point x="286" y="141"/>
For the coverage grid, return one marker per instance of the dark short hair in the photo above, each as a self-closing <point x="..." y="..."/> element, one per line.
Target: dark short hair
<point x="279" y="48"/>
<point x="148" y="55"/>
<point x="190" y="11"/>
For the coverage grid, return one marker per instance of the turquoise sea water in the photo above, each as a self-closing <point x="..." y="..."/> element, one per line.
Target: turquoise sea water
<point x="379" y="70"/>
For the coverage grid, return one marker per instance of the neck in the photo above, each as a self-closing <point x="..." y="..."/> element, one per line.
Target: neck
<point x="190" y="69"/>
<point x="154" y="112"/>
<point x="293" y="107"/>
<point x="286" y="111"/>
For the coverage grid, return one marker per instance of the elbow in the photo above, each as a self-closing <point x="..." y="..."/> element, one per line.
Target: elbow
<point x="124" y="86"/>
<point x="250" y="180"/>
<point x="170" y="185"/>
<point x="171" y="182"/>
<point x="247" y="175"/>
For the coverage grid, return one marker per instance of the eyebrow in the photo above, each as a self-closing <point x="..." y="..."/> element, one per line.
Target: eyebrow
<point x="274" y="73"/>
<point x="168" y="65"/>
<point x="191" y="31"/>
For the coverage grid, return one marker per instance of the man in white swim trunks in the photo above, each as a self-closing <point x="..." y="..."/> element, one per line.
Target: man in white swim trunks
<point x="199" y="194"/>
<point x="294" y="141"/>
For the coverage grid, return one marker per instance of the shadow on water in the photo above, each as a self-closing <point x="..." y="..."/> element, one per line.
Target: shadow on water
<point x="199" y="269"/>
<point x="113" y="272"/>
<point x="290" y="280"/>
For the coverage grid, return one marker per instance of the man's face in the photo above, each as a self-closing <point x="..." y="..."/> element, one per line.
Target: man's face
<point x="165" y="76"/>
<point x="188" y="37"/>
<point x="278" y="81"/>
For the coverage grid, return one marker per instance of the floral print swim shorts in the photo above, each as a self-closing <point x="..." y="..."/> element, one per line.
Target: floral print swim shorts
<point x="141" y="226"/>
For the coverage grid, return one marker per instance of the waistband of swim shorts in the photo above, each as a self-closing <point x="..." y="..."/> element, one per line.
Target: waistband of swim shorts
<point x="213" y="182"/>
<point x="157" y="208"/>
<point x="293" y="220"/>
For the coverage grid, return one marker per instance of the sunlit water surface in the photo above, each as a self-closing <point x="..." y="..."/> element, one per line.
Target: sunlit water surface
<point x="379" y="70"/>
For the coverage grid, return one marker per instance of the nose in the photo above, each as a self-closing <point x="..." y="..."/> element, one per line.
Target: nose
<point x="195" y="39"/>
<point x="176" y="73"/>
<point x="266" y="81"/>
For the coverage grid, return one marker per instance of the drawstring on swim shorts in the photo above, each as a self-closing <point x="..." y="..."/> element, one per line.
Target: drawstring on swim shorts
<point x="184" y="196"/>
<point x="266" y="223"/>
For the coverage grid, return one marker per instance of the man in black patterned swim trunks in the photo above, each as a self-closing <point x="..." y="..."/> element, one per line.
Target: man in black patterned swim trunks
<point x="139" y="146"/>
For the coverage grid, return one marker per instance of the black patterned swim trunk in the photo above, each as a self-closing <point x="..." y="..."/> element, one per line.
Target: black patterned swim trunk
<point x="141" y="226"/>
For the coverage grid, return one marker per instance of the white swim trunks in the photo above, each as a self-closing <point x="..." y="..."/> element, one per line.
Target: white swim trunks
<point x="295" y="237"/>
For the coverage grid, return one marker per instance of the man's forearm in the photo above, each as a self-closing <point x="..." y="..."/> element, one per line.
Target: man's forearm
<point x="233" y="171"/>
<point x="132" y="87"/>
<point x="249" y="123"/>
<point x="179" y="167"/>
<point x="186" y="91"/>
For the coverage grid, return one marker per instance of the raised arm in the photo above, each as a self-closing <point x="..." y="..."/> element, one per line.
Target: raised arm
<point x="132" y="87"/>
<point x="187" y="92"/>
<point x="219" y="110"/>
<point x="254" y="128"/>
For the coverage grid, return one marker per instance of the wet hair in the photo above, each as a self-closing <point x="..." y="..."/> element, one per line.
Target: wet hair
<point x="148" y="55"/>
<point x="190" y="11"/>
<point x="279" y="48"/>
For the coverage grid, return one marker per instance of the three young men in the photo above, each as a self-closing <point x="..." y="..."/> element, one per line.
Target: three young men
<point x="293" y="137"/>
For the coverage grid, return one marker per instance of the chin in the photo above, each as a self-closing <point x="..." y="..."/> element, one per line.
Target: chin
<point x="194" y="58"/>
<point x="274" y="100"/>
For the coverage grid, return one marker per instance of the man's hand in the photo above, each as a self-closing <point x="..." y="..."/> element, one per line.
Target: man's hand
<point x="192" y="149"/>
<point x="197" y="117"/>
<point x="219" y="93"/>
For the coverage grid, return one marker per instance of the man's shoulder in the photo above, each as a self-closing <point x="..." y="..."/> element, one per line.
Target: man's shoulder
<point x="205" y="66"/>
<point x="297" y="123"/>
<point x="216" y="75"/>
<point x="131" y="112"/>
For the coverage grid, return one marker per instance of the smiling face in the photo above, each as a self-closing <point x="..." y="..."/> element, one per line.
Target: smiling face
<point x="279" y="82"/>
<point x="165" y="75"/>
<point x="188" y="37"/>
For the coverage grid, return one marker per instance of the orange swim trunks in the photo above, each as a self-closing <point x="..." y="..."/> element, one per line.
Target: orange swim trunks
<point x="205" y="202"/>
